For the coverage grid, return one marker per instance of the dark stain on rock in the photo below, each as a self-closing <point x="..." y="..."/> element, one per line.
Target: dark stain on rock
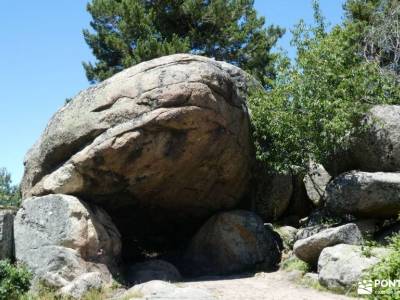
<point x="174" y="148"/>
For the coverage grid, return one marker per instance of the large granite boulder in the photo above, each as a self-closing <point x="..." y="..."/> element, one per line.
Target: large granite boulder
<point x="232" y="242"/>
<point x="167" y="139"/>
<point x="377" y="147"/>
<point x="342" y="266"/>
<point x="60" y="238"/>
<point x="7" y="233"/>
<point x="362" y="194"/>
<point x="309" y="249"/>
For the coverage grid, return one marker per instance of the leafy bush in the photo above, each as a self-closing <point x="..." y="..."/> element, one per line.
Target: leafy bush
<point x="14" y="280"/>
<point x="295" y="264"/>
<point x="388" y="268"/>
<point x="317" y="102"/>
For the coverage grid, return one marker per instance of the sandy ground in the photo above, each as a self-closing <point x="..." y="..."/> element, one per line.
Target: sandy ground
<point x="262" y="286"/>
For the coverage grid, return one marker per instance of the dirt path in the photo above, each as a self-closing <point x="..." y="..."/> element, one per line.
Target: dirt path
<point x="263" y="286"/>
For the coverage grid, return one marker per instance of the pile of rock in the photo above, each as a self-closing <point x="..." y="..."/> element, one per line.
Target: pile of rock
<point x="367" y="193"/>
<point x="138" y="164"/>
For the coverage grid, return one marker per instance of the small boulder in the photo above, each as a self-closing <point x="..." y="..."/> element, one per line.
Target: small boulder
<point x="362" y="194"/>
<point x="315" y="182"/>
<point x="82" y="285"/>
<point x="60" y="238"/>
<point x="340" y="267"/>
<point x="232" y="242"/>
<point x="309" y="249"/>
<point x="152" y="270"/>
<point x="6" y="233"/>
<point x="161" y="290"/>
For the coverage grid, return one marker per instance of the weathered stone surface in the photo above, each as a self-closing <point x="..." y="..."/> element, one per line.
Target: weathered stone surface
<point x="340" y="267"/>
<point x="82" y="285"/>
<point x="60" y="238"/>
<point x="161" y="290"/>
<point x="288" y="235"/>
<point x="315" y="182"/>
<point x="309" y="249"/>
<point x="6" y="233"/>
<point x="308" y="231"/>
<point x="378" y="147"/>
<point x="152" y="270"/>
<point x="232" y="242"/>
<point x="362" y="194"/>
<point x="273" y="195"/>
<point x="166" y="140"/>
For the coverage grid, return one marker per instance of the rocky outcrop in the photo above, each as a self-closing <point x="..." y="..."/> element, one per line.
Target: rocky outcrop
<point x="7" y="233"/>
<point x="273" y="195"/>
<point x="60" y="238"/>
<point x="166" y="140"/>
<point x="232" y="242"/>
<point x="315" y="181"/>
<point x="155" y="269"/>
<point x="377" y="147"/>
<point x="342" y="266"/>
<point x="362" y="194"/>
<point x="309" y="249"/>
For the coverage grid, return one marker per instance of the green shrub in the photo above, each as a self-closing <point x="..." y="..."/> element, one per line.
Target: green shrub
<point x="14" y="280"/>
<point x="317" y="102"/>
<point x="388" y="268"/>
<point x="295" y="264"/>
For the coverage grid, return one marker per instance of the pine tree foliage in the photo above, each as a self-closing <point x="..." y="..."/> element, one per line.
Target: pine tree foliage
<point x="127" y="32"/>
<point x="9" y="194"/>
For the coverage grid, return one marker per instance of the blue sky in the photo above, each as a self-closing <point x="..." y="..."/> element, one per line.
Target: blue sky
<point x="40" y="59"/>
